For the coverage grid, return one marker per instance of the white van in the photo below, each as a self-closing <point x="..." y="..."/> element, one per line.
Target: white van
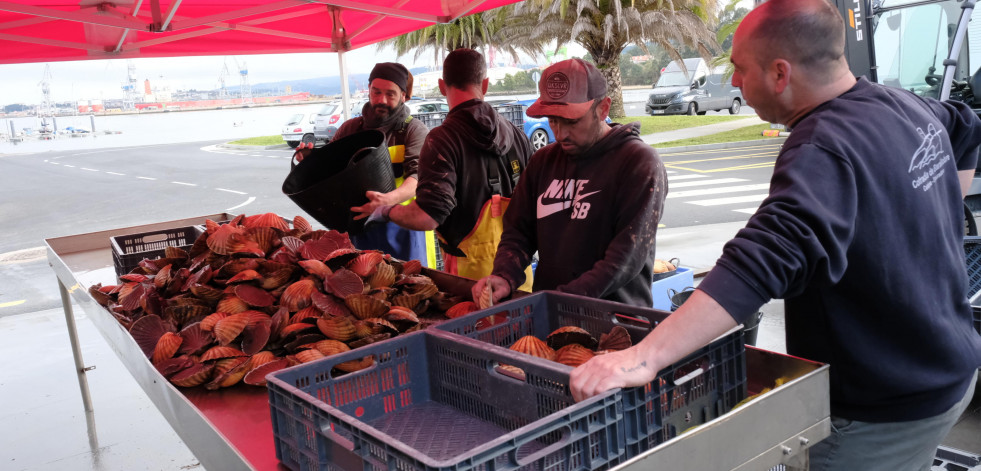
<point x="696" y="91"/>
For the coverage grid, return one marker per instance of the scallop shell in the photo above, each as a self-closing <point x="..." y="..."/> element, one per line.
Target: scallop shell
<point x="219" y="352"/>
<point x="297" y="295"/>
<point x="162" y="277"/>
<point x="331" y="347"/>
<point x="279" y="320"/>
<point x="195" y="375"/>
<point x="166" y="347"/>
<point x="308" y="312"/>
<point x="257" y="377"/>
<point x="131" y="295"/>
<point x="301" y="225"/>
<point x="425" y="290"/>
<point x="329" y="304"/>
<point x="308" y="355"/>
<point x="172" y="366"/>
<point x="133" y="277"/>
<point x="533" y="346"/>
<point x="617" y="339"/>
<point x="573" y="355"/>
<point x="461" y="309"/>
<point x="365" y="307"/>
<point x="411" y="267"/>
<point x="262" y="358"/>
<point x="362" y="329"/>
<point x="384" y="276"/>
<point x="230" y="328"/>
<point x="344" y="283"/>
<point x="570" y="334"/>
<point x="512" y="371"/>
<point x="292" y="244"/>
<point x="98" y="295"/>
<point x="379" y="325"/>
<point x="182" y="314"/>
<point x="232" y="304"/>
<point x="337" y="328"/>
<point x="402" y="318"/>
<point x="253" y="296"/>
<point x="408" y="300"/>
<point x="146" y="331"/>
<point x="225" y="238"/>
<point x="268" y="220"/>
<point x="237" y="265"/>
<point x="257" y="334"/>
<point x="294" y="329"/>
<point x="316" y="268"/>
<point x="265" y="237"/>
<point x="355" y="365"/>
<point x="243" y="276"/>
<point x="319" y="249"/>
<point x="370" y="340"/>
<point x="207" y="293"/>
<point x="208" y="323"/>
<point x="340" y="257"/>
<point x="486" y="297"/>
<point x="195" y="340"/>
<point x="228" y="372"/>
<point x="276" y="278"/>
<point x="364" y="265"/>
<point x="174" y="252"/>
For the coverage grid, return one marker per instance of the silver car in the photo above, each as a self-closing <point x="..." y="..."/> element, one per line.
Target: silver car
<point x="326" y="125"/>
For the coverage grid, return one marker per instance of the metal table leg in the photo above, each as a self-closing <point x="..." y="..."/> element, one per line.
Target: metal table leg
<point x="80" y="368"/>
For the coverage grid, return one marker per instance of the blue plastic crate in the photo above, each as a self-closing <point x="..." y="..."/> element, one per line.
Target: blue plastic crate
<point x="437" y="401"/>
<point x="699" y="388"/>
<point x="661" y="289"/>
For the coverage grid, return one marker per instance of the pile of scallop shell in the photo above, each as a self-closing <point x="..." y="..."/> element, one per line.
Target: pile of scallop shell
<point x="254" y="295"/>
<point x="571" y="345"/>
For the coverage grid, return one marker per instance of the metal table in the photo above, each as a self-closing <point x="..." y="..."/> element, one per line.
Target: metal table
<point x="231" y="428"/>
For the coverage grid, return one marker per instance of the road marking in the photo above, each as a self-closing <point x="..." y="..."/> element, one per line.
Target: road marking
<point x="717" y="181"/>
<point x="683" y="177"/>
<point x="13" y="303"/>
<point x="146" y="178"/>
<point x="232" y="191"/>
<point x="732" y="200"/>
<point x="747" y="210"/>
<point x="69" y="166"/>
<point x="764" y="147"/>
<point x="55" y="163"/>
<point x="185" y="184"/>
<point x="716" y="191"/>
<point x="115" y="173"/>
<point x="89" y="169"/>
<point x="251" y="199"/>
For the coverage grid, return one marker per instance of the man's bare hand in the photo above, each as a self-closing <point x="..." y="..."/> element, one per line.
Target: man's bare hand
<point x="625" y="368"/>
<point x="303" y="150"/>
<point x="375" y="199"/>
<point x="499" y="285"/>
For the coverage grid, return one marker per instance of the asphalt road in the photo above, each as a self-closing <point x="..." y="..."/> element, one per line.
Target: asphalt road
<point x="73" y="192"/>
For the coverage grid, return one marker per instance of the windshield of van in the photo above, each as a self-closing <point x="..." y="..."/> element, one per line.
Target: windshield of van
<point x="295" y="119"/>
<point x="911" y="45"/>
<point x="673" y="79"/>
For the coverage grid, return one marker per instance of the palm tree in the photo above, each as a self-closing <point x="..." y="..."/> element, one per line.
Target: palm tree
<point x="605" y="27"/>
<point x="729" y="19"/>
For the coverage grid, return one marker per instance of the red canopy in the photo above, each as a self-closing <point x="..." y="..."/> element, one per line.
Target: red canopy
<point x="43" y="31"/>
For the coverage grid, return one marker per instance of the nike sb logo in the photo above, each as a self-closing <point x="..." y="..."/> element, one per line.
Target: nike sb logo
<point x="569" y="194"/>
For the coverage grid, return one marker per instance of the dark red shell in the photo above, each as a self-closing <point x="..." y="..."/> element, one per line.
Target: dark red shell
<point x="196" y="339"/>
<point x="254" y="296"/>
<point x="344" y="283"/>
<point x="147" y="330"/>
<point x="257" y="377"/>
<point x="256" y="336"/>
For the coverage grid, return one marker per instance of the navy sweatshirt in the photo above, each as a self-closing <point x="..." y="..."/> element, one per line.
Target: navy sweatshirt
<point x="862" y="234"/>
<point x="592" y="218"/>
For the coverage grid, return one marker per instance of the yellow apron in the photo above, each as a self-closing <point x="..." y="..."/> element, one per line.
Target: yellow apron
<point x="397" y="154"/>
<point x="480" y="244"/>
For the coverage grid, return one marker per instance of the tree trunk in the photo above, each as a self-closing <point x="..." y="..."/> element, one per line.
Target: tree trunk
<point x="608" y="62"/>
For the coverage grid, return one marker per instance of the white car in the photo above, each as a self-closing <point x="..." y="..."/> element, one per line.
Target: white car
<point x="299" y="127"/>
<point x="430" y="112"/>
<point x="327" y="124"/>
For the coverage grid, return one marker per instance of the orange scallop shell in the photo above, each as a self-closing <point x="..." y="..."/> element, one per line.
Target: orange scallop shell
<point x="257" y="377"/>
<point x="365" y="264"/>
<point x="461" y="309"/>
<point x="383" y="277"/>
<point x="265" y="237"/>
<point x="207" y="293"/>
<point x="162" y="277"/>
<point x="208" y="323"/>
<point x="301" y="225"/>
<point x="262" y="357"/>
<point x="331" y="347"/>
<point x="411" y="267"/>
<point x="337" y="328"/>
<point x="379" y="325"/>
<point x="402" y="317"/>
<point x="308" y="355"/>
<point x="236" y="266"/>
<point x="268" y="220"/>
<point x="486" y="297"/>
<point x="225" y="239"/>
<point x="344" y="283"/>
<point x="244" y="275"/>
<point x="534" y="346"/>
<point x="228" y="372"/>
<point x="166" y="347"/>
<point x="316" y="268"/>
<point x="174" y="252"/>
<point x="426" y="289"/>
<point x="254" y="296"/>
<point x="277" y="278"/>
<point x="362" y="329"/>
<point x="573" y="355"/>
<point x="297" y="295"/>
<point x="355" y="365"/>
<point x="617" y="339"/>
<point x="219" y="352"/>
<point x="571" y="334"/>
<point x="194" y="376"/>
<point x="295" y="328"/>
<point x="365" y="307"/>
<point x="230" y="327"/>
<point x="292" y="244"/>
<point x="232" y="304"/>
<point x="308" y="312"/>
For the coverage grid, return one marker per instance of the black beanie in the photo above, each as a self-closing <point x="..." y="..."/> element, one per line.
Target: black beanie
<point x="391" y="71"/>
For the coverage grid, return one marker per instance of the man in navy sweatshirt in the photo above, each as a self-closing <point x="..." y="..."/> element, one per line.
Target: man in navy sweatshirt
<point x="862" y="235"/>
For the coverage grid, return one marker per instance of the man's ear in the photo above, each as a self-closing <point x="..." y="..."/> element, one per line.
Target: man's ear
<point x="483" y="85"/>
<point x="442" y="87"/>
<point x="604" y="107"/>
<point x="780" y="71"/>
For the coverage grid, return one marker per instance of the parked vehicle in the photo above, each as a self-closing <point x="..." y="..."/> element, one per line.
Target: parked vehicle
<point x="430" y="112"/>
<point x="327" y="124"/>
<point x="697" y="91"/>
<point x="537" y="129"/>
<point x="299" y="127"/>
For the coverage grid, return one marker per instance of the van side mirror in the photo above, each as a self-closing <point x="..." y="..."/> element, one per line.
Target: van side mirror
<point x="694" y="85"/>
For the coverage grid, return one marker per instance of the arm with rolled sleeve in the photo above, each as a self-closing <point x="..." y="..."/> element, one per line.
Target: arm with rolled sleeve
<point x="641" y="189"/>
<point x="803" y="228"/>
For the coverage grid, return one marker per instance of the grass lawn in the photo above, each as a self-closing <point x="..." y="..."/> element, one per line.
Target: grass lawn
<point x="652" y="124"/>
<point x="748" y="133"/>
<point x="260" y="141"/>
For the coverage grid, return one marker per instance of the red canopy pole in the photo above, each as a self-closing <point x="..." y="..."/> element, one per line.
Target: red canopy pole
<point x="339" y="42"/>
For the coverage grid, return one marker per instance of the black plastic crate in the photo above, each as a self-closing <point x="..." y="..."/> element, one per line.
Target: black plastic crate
<point x="438" y="401"/>
<point x="699" y="388"/>
<point x="952" y="459"/>
<point x="977" y="317"/>
<point x="129" y="250"/>
<point x="972" y="252"/>
<point x="512" y="112"/>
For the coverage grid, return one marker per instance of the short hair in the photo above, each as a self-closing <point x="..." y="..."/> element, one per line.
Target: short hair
<point x="809" y="33"/>
<point x="463" y="68"/>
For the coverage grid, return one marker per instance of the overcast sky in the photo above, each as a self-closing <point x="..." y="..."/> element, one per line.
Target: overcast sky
<point x="103" y="79"/>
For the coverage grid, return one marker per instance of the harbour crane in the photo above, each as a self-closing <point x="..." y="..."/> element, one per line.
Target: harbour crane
<point x="245" y="90"/>
<point x="45" y="84"/>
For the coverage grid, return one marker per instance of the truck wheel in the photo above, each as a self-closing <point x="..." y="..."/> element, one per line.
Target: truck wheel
<point x="734" y="109"/>
<point x="292" y="144"/>
<point x="692" y="109"/>
<point x="309" y="139"/>
<point x="702" y="113"/>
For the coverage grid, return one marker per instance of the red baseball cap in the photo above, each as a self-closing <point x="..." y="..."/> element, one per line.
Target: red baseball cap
<point x="567" y="89"/>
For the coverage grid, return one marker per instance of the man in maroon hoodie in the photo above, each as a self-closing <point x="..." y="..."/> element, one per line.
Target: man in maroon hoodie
<point x="468" y="168"/>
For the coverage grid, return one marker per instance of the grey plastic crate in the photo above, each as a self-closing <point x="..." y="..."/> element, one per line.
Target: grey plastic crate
<point x="695" y="390"/>
<point x="512" y="112"/>
<point x="972" y="252"/>
<point x="437" y="401"/>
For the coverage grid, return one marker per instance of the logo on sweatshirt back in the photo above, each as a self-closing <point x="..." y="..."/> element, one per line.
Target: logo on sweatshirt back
<point x="929" y="159"/>
<point x="563" y="194"/>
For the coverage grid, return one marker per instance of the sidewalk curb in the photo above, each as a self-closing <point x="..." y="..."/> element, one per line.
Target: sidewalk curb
<point x="718" y="146"/>
<point x="245" y="147"/>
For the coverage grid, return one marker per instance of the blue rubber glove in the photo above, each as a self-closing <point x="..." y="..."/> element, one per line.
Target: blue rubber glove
<point x="379" y="215"/>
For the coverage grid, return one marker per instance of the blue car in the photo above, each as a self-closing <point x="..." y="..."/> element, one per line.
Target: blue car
<point x="537" y="129"/>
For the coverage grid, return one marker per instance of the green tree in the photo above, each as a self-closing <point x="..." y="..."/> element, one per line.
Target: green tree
<point x="728" y="20"/>
<point x="606" y="27"/>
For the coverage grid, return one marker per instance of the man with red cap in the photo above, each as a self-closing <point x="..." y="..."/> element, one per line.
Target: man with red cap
<point x="589" y="203"/>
